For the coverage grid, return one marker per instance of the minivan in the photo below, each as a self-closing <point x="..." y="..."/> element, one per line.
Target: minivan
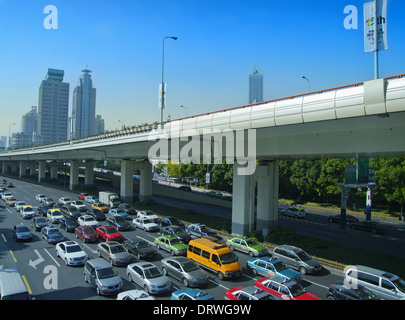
<point x="12" y="286"/>
<point x="101" y="275"/>
<point x="296" y="258"/>
<point x="214" y="257"/>
<point x="383" y="284"/>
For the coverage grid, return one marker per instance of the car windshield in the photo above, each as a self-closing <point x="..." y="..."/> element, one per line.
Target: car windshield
<point x="143" y="244"/>
<point x="189" y="266"/>
<point x="69" y="222"/>
<point x="251" y="242"/>
<point x="79" y="203"/>
<point x="88" y="230"/>
<point x="175" y="241"/>
<point x="22" y="229"/>
<point x="40" y="220"/>
<point x="88" y="219"/>
<point x="72" y="249"/>
<point x="53" y="231"/>
<point x="120" y="211"/>
<point x="110" y="230"/>
<point x="151" y="273"/>
<point x="117" y="249"/>
<point x="28" y="209"/>
<point x="106" y="273"/>
<point x="363" y="292"/>
<point x="400" y="284"/>
<point x="303" y="255"/>
<point x="145" y="221"/>
<point x="227" y="258"/>
<point x="296" y="290"/>
<point x="148" y="213"/>
<point x="127" y="206"/>
<point x="280" y="266"/>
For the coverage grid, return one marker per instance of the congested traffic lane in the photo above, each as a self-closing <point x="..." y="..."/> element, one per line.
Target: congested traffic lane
<point x="49" y="278"/>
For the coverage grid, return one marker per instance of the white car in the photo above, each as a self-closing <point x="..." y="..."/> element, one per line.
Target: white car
<point x="18" y="205"/>
<point x="147" y="214"/>
<point x="146" y="224"/>
<point x="295" y="212"/>
<point x="40" y="197"/>
<point x="64" y="200"/>
<point x="27" y="212"/>
<point x="6" y="195"/>
<point x="79" y="205"/>
<point x="134" y="295"/>
<point x="87" y="220"/>
<point x="54" y="215"/>
<point x="71" y="253"/>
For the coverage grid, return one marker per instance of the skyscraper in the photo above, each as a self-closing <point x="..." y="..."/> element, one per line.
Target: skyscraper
<point x="84" y="107"/>
<point x="256" y="84"/>
<point x="53" y="107"/>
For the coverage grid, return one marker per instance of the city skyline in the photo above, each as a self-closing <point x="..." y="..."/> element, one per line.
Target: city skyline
<point x="205" y="69"/>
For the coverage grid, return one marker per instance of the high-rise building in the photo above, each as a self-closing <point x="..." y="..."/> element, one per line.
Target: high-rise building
<point x="27" y="136"/>
<point x="100" y="127"/>
<point x="256" y="84"/>
<point x="84" y="107"/>
<point x="53" y="107"/>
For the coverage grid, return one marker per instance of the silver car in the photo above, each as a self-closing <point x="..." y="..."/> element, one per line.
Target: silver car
<point x="185" y="270"/>
<point x="149" y="277"/>
<point x="114" y="252"/>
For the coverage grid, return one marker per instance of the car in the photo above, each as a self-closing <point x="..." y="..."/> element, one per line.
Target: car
<point x="119" y="222"/>
<point x="368" y="226"/>
<point x="338" y="291"/>
<point x="134" y="295"/>
<point x="296" y="258"/>
<point x="49" y="201"/>
<point x="37" y="223"/>
<point x="118" y="212"/>
<point x="96" y="214"/>
<point x="127" y="208"/>
<point x="87" y="220"/>
<point x="190" y="294"/>
<point x="214" y="193"/>
<point x="148" y="214"/>
<point x="248" y="293"/>
<point x="146" y="224"/>
<point x="171" y="244"/>
<point x="3" y="187"/>
<point x="200" y="230"/>
<point x="79" y="205"/>
<point x="101" y="275"/>
<point x="114" y="252"/>
<point x="149" y="277"/>
<point x="336" y="218"/>
<point x="18" y="205"/>
<point x="247" y="245"/>
<point x="69" y="224"/>
<point x="92" y="199"/>
<point x="294" y="212"/>
<point x="140" y="248"/>
<point x="284" y="289"/>
<point x="43" y="209"/>
<point x="69" y="211"/>
<point x="64" y="200"/>
<point x="109" y="233"/>
<point x="176" y="231"/>
<point x="185" y="270"/>
<point x="71" y="253"/>
<point x="100" y="206"/>
<point x="86" y="233"/>
<point x="54" y="215"/>
<point x="171" y="221"/>
<point x="9" y="184"/>
<point x="40" y="197"/>
<point x="6" y="195"/>
<point x="11" y="201"/>
<point x="21" y="232"/>
<point x="52" y="234"/>
<point x="27" y="212"/>
<point x="269" y="267"/>
<point x="83" y="195"/>
<point x="185" y="188"/>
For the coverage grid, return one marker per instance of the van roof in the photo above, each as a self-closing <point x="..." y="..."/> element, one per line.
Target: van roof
<point x="208" y="243"/>
<point x="376" y="272"/>
<point x="99" y="263"/>
<point x="11" y="282"/>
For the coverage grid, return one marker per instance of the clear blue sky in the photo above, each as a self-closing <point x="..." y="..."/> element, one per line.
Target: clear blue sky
<point x="206" y="69"/>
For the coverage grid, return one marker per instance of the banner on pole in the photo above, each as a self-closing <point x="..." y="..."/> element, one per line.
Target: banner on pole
<point x="371" y="23"/>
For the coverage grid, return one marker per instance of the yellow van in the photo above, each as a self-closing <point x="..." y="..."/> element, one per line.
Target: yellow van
<point x="214" y="257"/>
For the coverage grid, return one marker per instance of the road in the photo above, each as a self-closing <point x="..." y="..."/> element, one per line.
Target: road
<point x="50" y="279"/>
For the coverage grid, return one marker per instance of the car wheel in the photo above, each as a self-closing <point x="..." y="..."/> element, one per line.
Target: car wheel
<point x="98" y="291"/>
<point x="185" y="282"/>
<point x="254" y="271"/>
<point x="173" y="253"/>
<point x="66" y="262"/>
<point x="85" y="278"/>
<point x="303" y="270"/>
<point x="164" y="271"/>
<point x="146" y="288"/>
<point x="330" y="297"/>
<point x="220" y="275"/>
<point x="99" y="253"/>
<point x="251" y="254"/>
<point x="231" y="248"/>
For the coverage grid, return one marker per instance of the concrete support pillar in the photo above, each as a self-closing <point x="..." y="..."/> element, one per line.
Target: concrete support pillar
<point x="267" y="195"/>
<point x="145" y="185"/>
<point x="242" y="202"/>
<point x="89" y="173"/>
<point x="23" y="166"/>
<point x="33" y="168"/>
<point x="127" y="181"/>
<point x="4" y="166"/>
<point x="41" y="170"/>
<point x="54" y="172"/>
<point x="74" y="174"/>
<point x="14" y="167"/>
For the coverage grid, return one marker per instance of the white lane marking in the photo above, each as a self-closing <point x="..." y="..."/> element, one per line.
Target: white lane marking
<point x="52" y="257"/>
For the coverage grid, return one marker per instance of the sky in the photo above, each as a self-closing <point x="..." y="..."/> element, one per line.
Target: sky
<point x="206" y="69"/>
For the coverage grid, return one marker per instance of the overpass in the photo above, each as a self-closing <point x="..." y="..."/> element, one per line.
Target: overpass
<point x="364" y="119"/>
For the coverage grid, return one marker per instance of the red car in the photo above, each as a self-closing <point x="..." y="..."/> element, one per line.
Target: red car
<point x="109" y="233"/>
<point x="285" y="289"/>
<point x="82" y="195"/>
<point x="86" y="233"/>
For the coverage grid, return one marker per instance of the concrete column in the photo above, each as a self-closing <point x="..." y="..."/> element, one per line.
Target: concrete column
<point x="4" y="166"/>
<point x="14" y="167"/>
<point x="41" y="170"/>
<point x="127" y="181"/>
<point x="89" y="173"/>
<point x="74" y="174"/>
<point x="145" y="185"/>
<point x="54" y="172"/>
<point x="33" y="168"/>
<point x="267" y="195"/>
<point x="242" y="202"/>
<point x="23" y="166"/>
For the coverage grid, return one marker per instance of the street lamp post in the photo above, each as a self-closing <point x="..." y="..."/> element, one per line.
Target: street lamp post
<point x="163" y="93"/>
<point x="309" y="83"/>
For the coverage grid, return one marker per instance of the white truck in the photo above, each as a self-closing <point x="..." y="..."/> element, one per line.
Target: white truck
<point x="111" y="199"/>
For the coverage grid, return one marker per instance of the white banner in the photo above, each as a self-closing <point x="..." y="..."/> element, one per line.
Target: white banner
<point x="371" y="22"/>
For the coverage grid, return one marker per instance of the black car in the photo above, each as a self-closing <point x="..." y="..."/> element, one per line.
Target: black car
<point x="70" y="212"/>
<point x="185" y="188"/>
<point x="349" y="219"/>
<point x="176" y="231"/>
<point x="37" y="223"/>
<point x="119" y="223"/>
<point x="127" y="208"/>
<point x="368" y="226"/>
<point x="69" y="224"/>
<point x="43" y="209"/>
<point x="140" y="248"/>
<point x="338" y="291"/>
<point x="171" y="221"/>
<point x="96" y="214"/>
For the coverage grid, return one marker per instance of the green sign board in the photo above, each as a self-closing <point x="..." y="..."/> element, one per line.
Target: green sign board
<point x="351" y="174"/>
